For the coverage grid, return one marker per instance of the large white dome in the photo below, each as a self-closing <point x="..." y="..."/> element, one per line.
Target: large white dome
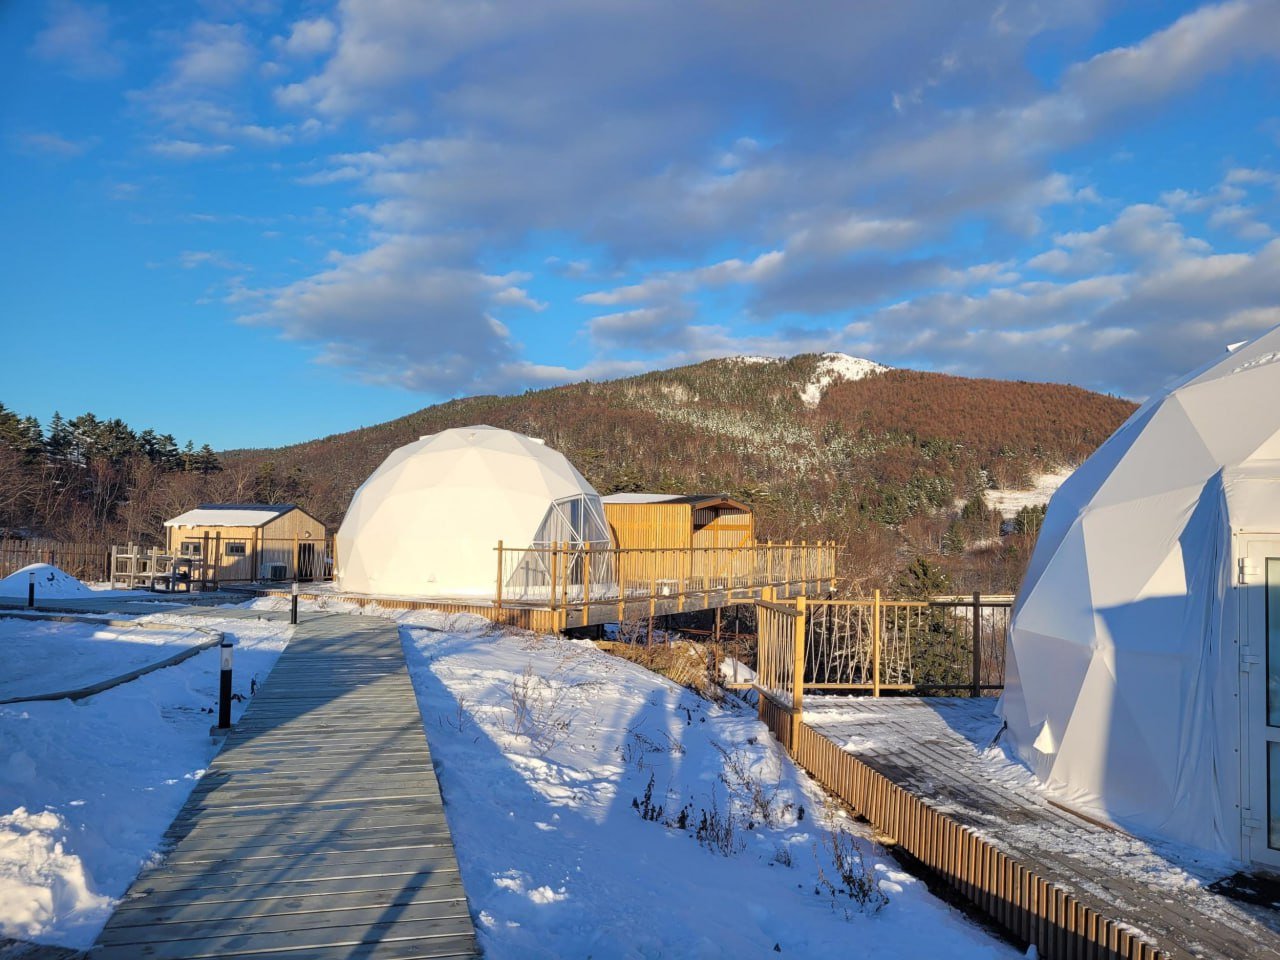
<point x="1123" y="686"/>
<point x="428" y="520"/>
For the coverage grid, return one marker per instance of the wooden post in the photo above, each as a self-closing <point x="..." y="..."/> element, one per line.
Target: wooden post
<point x="831" y="556"/>
<point x="875" y="644"/>
<point x="586" y="583"/>
<point x="217" y="558"/>
<point x="497" y="594"/>
<point x="977" y="645"/>
<point x="768" y="561"/>
<point x="797" y="679"/>
<point x="555" y="570"/>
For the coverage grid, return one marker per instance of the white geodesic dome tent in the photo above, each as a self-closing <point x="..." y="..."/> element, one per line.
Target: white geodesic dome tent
<point x="428" y="521"/>
<point x="1134" y="674"/>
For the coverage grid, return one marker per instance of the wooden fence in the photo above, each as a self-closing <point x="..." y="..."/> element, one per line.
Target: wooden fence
<point x="876" y="645"/>
<point x="788" y="662"/>
<point x="560" y="576"/>
<point x="86" y="561"/>
<point x="1032" y="908"/>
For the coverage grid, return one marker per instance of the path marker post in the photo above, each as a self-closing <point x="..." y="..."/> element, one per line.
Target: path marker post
<point x="293" y="604"/>
<point x="224" y="690"/>
<point x="31" y="589"/>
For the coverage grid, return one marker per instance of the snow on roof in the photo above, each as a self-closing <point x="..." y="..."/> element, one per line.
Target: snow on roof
<point x="230" y="515"/>
<point x="641" y="497"/>
<point x="833" y="367"/>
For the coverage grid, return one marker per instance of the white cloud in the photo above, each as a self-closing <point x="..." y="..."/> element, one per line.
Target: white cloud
<point x="188" y="149"/>
<point x="213" y="55"/>
<point x="53" y="144"/>
<point x="78" y="37"/>
<point x="408" y="312"/>
<point x="308" y="38"/>
<point x="827" y="206"/>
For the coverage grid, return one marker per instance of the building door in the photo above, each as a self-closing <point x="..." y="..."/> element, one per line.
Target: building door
<point x="1258" y="578"/>
<point x="306" y="565"/>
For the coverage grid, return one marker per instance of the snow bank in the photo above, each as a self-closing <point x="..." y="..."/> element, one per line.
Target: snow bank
<point x="1007" y="503"/>
<point x="833" y="367"/>
<point x="94" y="784"/>
<point x="597" y="809"/>
<point x="43" y="657"/>
<point x="51" y="583"/>
<point x="39" y="880"/>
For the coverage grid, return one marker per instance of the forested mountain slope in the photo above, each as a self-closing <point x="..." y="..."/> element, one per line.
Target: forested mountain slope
<point x="881" y="464"/>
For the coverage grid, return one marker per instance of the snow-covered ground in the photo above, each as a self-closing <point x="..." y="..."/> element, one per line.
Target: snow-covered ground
<point x="43" y="656"/>
<point x="1007" y="503"/>
<point x="832" y="368"/>
<point x="599" y="810"/>
<point x="88" y="788"/>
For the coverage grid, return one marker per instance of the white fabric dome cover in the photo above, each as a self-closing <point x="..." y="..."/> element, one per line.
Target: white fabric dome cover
<point x="428" y="520"/>
<point x="1122" y="670"/>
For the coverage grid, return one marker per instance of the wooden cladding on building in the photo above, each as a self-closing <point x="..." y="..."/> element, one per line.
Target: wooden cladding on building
<point x="675" y="523"/>
<point x="290" y="546"/>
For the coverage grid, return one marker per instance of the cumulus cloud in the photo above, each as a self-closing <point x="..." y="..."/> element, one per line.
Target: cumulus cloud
<point x="410" y="312"/>
<point x="78" y="38"/>
<point x="307" y="38"/>
<point x="842" y="179"/>
<point x="213" y="55"/>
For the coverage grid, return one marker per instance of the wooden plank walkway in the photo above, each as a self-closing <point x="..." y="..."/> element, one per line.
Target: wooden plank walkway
<point x="319" y="829"/>
<point x="935" y="749"/>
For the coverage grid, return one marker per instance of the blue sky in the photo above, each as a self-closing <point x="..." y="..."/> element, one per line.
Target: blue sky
<point x="253" y="223"/>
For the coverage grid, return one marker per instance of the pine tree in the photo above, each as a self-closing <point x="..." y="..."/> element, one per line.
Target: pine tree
<point x="206" y="461"/>
<point x="59" y="442"/>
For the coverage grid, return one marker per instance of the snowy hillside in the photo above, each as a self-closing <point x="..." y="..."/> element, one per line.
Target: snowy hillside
<point x="833" y="367"/>
<point x="1007" y="503"/>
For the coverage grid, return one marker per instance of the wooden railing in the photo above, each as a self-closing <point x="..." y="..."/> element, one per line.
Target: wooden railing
<point x="875" y="645"/>
<point x="561" y="576"/>
<point x="1015" y="895"/>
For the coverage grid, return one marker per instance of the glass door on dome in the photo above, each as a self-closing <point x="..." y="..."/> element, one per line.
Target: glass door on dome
<point x="1259" y="581"/>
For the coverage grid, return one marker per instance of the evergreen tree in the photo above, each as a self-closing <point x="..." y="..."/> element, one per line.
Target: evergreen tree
<point x="32" y="440"/>
<point x="168" y="456"/>
<point x="206" y="461"/>
<point x="59" y="442"/>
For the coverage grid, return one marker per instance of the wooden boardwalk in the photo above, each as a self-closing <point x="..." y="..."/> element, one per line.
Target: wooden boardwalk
<point x="935" y="749"/>
<point x="318" y="831"/>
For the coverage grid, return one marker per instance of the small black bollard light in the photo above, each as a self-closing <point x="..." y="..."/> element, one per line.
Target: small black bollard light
<point x="224" y="691"/>
<point x="31" y="589"/>
<point x="293" y="604"/>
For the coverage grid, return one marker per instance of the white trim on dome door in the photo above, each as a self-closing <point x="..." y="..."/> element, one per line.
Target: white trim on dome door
<point x="1258" y="573"/>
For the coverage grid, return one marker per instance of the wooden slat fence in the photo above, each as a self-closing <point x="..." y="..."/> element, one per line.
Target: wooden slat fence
<point x="1026" y="904"/>
<point x="1013" y="894"/>
<point x="87" y="561"/>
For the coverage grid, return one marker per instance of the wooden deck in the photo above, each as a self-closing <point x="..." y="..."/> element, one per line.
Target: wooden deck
<point x="917" y="769"/>
<point x="541" y="618"/>
<point x="319" y="829"/>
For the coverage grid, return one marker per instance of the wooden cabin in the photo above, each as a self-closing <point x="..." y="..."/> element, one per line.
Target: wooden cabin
<point x="671" y="520"/>
<point x="250" y="541"/>
<point x="713" y="524"/>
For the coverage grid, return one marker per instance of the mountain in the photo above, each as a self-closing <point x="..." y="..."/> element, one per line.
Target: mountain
<point x="887" y="462"/>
